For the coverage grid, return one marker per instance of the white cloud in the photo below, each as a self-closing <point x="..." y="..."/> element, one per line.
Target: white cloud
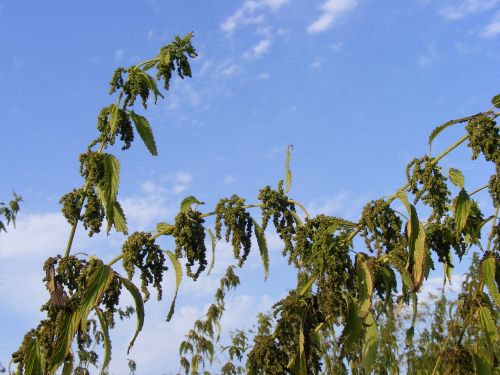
<point x="259" y="49"/>
<point x="428" y="58"/>
<point x="229" y="179"/>
<point x="331" y="11"/>
<point x="263" y="76"/>
<point x="316" y="63"/>
<point x="492" y="29"/>
<point x="467" y="7"/>
<point x="182" y="182"/>
<point x="250" y="13"/>
<point x="118" y="56"/>
<point x="336" y="47"/>
<point x="229" y="70"/>
<point x="329" y="206"/>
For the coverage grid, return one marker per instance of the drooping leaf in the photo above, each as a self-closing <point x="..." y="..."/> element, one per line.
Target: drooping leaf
<point x="65" y="333"/>
<point x="188" y="202"/>
<point x="462" y="209"/>
<point x="410" y="332"/>
<point x="496" y="101"/>
<point x="152" y="85"/>
<point x="365" y="282"/>
<point x="107" y="340"/>
<point x="107" y="192"/>
<point x="212" y="242"/>
<point x="483" y="365"/>
<point x="353" y="327"/>
<point x="119" y="219"/>
<point x="437" y="131"/>
<point x="264" y="253"/>
<point x="370" y="344"/>
<point x="488" y="269"/>
<point x="34" y="360"/>
<point x="288" y="172"/>
<point x="211" y="351"/>
<point x="420" y="255"/>
<point x="139" y="307"/>
<point x="178" y="279"/>
<point x="487" y="324"/>
<point x="456" y="177"/>
<point x="144" y="129"/>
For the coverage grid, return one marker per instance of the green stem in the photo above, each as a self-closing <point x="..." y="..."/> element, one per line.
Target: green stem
<point x="478" y="190"/>
<point x="301" y="206"/>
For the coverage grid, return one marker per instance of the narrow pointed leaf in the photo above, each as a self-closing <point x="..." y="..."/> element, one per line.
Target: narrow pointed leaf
<point x="178" y="279"/>
<point x="139" y="307"/>
<point x="107" y="340"/>
<point x="119" y="220"/>
<point x="288" y="173"/>
<point x="99" y="281"/>
<point x="34" y="361"/>
<point x="113" y="119"/>
<point x="108" y="191"/>
<point x="370" y="344"/>
<point x="456" y="177"/>
<point x="212" y="242"/>
<point x="488" y="269"/>
<point x="188" y="202"/>
<point x="438" y="130"/>
<point x="487" y="324"/>
<point x="353" y="327"/>
<point x="264" y="252"/>
<point x="462" y="209"/>
<point x="365" y="282"/>
<point x="144" y="129"/>
<point x="152" y="86"/>
<point x="65" y="333"/>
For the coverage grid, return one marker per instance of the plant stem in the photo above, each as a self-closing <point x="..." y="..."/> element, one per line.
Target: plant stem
<point x="478" y="190"/>
<point x="301" y="206"/>
<point x="492" y="231"/>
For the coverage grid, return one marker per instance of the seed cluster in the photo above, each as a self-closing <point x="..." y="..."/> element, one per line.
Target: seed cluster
<point x="484" y="138"/>
<point x="238" y="223"/>
<point x="140" y="251"/>
<point x="189" y="235"/>
<point x="136" y="85"/>
<point x="123" y="127"/>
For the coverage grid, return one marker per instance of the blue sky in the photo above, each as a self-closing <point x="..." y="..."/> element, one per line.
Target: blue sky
<point x="355" y="85"/>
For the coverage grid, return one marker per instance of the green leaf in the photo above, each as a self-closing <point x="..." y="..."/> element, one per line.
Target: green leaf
<point x="365" y="282"/>
<point x="264" y="253"/>
<point x="462" y="209"/>
<point x="370" y="344"/>
<point x="488" y="269"/>
<point x="108" y="191"/>
<point x="353" y="327"/>
<point x="496" y="101"/>
<point x="178" y="279"/>
<point x="210" y="348"/>
<point x="119" y="220"/>
<point x="305" y="290"/>
<point x="420" y="255"/>
<point x="139" y="307"/>
<point x="152" y="85"/>
<point x="288" y="173"/>
<point x="99" y="281"/>
<point x="212" y="242"/>
<point x="34" y="360"/>
<point x="144" y="129"/>
<point x="487" y="324"/>
<point x="188" y="202"/>
<point x="483" y="365"/>
<point x="107" y="340"/>
<point x="437" y="131"/>
<point x="113" y="119"/>
<point x="65" y="333"/>
<point x="68" y="366"/>
<point x="456" y="177"/>
<point x="389" y="279"/>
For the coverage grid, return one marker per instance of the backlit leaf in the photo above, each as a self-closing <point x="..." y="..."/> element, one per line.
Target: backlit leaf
<point x="437" y="131"/>
<point x="370" y="344"/>
<point x="188" y="202"/>
<point x="264" y="253"/>
<point x="456" y="177"/>
<point x="152" y="85"/>
<point x="178" y="279"/>
<point x="108" y="191"/>
<point x="365" y="282"/>
<point x="119" y="219"/>
<point x="34" y="360"/>
<point x="113" y="119"/>
<point x="139" y="307"/>
<point x="488" y="269"/>
<point x="496" y="101"/>
<point x="65" y="333"/>
<point x="462" y="209"/>
<point x="487" y="324"/>
<point x="144" y="129"/>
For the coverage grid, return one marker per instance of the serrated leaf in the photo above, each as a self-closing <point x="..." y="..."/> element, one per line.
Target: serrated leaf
<point x="496" y="101"/>
<point x="188" y="202"/>
<point x="65" y="333"/>
<point x="34" y="360"/>
<point x="456" y="177"/>
<point x="487" y="324"/>
<point x="370" y="344"/>
<point x="365" y="282"/>
<point x="139" y="307"/>
<point x="288" y="172"/>
<point x="264" y="252"/>
<point x="119" y="220"/>
<point x="108" y="191"/>
<point x="462" y="209"/>
<point x="107" y="340"/>
<point x="437" y="131"/>
<point x="113" y="119"/>
<point x="152" y="86"/>
<point x="178" y="279"/>
<point x="488" y="269"/>
<point x="212" y="243"/>
<point x="483" y="365"/>
<point x="353" y="327"/>
<point x="99" y="281"/>
<point x="144" y="129"/>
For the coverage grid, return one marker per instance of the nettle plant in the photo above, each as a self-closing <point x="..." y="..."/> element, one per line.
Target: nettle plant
<point x="345" y="305"/>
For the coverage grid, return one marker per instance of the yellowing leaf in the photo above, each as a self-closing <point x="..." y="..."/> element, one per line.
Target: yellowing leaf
<point x="178" y="279"/>
<point x="488" y="268"/>
<point x="146" y="133"/>
<point x="462" y="210"/>
<point x="288" y="173"/>
<point x="487" y="324"/>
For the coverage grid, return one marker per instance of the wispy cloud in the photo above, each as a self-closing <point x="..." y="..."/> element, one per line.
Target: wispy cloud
<point x="492" y="29"/>
<point x="182" y="182"/>
<point x="259" y="49"/>
<point x="467" y="7"/>
<point x="331" y="10"/>
<point x="251" y="12"/>
<point x="118" y="55"/>
<point x="428" y="58"/>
